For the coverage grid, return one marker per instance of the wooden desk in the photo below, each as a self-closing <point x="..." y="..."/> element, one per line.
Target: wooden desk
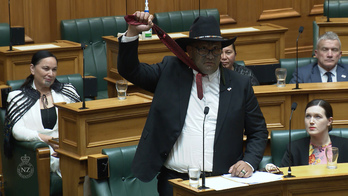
<point x="309" y="180"/>
<point x="337" y="25"/>
<point x="107" y="123"/>
<point x="275" y="103"/>
<point x="14" y="65"/>
<point x="252" y="44"/>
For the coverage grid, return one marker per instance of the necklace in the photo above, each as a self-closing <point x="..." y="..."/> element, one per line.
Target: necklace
<point x="44" y="100"/>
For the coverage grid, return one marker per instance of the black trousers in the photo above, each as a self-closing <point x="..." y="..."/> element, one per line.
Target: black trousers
<point x="163" y="186"/>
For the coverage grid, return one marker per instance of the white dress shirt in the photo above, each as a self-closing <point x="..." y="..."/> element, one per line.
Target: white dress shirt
<point x="188" y="149"/>
<point x="324" y="76"/>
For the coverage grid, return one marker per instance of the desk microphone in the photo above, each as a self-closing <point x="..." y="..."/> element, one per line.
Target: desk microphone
<point x="206" y="111"/>
<point x="9" y="23"/>
<point x="300" y="30"/>
<point x="293" y="108"/>
<point x="83" y="46"/>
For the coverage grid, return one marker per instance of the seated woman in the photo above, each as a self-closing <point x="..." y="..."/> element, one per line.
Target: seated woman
<point x="228" y="57"/>
<point x="31" y="115"/>
<point x="311" y="150"/>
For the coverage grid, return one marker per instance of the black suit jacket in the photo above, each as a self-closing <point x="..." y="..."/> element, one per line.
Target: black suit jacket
<point x="300" y="151"/>
<point x="171" y="82"/>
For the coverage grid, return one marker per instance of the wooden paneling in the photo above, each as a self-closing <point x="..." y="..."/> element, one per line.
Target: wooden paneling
<point x="41" y="18"/>
<point x="14" y="65"/>
<point x="275" y="103"/>
<point x="106" y="123"/>
<point x="280" y="9"/>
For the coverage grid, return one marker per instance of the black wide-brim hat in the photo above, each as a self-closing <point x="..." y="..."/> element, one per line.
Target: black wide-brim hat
<point x="204" y="29"/>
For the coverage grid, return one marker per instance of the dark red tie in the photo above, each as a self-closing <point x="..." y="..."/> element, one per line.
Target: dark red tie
<point x="175" y="48"/>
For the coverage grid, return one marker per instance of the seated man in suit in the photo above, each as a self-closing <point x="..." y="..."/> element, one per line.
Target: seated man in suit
<point x="328" y="51"/>
<point x="228" y="57"/>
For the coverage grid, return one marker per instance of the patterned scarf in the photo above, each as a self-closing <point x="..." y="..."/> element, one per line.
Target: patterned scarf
<point x="28" y="97"/>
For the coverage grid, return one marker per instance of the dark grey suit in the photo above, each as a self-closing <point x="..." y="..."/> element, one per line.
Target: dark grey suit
<point x="311" y="74"/>
<point x="171" y="82"/>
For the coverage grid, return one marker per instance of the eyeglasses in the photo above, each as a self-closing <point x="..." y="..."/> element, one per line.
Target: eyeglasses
<point x="205" y="51"/>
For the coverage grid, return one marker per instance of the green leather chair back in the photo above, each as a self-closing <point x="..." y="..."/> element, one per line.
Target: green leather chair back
<point x="180" y="21"/>
<point x="4" y="34"/>
<point x="280" y="140"/>
<point x="315" y="36"/>
<point x="90" y="31"/>
<point x="337" y="8"/>
<point x="74" y="79"/>
<point x="121" y="181"/>
<point x="290" y="64"/>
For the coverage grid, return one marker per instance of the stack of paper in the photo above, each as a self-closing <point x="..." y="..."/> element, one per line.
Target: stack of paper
<point x="226" y="181"/>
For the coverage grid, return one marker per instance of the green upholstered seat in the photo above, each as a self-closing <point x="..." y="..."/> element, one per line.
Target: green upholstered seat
<point x="74" y="79"/>
<point x="336" y="8"/>
<point x="315" y="36"/>
<point x="290" y="64"/>
<point x="4" y="34"/>
<point x="280" y="141"/>
<point x="90" y="31"/>
<point x="179" y="21"/>
<point x="20" y="183"/>
<point x="121" y="181"/>
<point x="25" y="184"/>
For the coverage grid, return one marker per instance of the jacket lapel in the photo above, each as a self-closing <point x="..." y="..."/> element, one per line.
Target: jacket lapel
<point x="224" y="101"/>
<point x="315" y="77"/>
<point x="341" y="73"/>
<point x="185" y="85"/>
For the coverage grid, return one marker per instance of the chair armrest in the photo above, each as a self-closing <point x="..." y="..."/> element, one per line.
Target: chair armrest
<point x="265" y="160"/>
<point x="32" y="146"/>
<point x="4" y="91"/>
<point x="100" y="187"/>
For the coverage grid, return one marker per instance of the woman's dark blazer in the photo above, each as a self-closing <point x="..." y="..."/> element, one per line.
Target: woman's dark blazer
<point x="300" y="151"/>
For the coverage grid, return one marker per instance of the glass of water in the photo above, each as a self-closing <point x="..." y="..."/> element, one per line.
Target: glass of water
<point x="281" y="76"/>
<point x="194" y="173"/>
<point x="121" y="88"/>
<point x="331" y="157"/>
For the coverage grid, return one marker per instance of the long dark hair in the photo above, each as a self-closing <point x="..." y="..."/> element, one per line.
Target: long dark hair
<point x="325" y="105"/>
<point x="37" y="57"/>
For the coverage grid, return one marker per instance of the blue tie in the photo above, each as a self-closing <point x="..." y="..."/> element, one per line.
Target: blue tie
<point x="329" y="78"/>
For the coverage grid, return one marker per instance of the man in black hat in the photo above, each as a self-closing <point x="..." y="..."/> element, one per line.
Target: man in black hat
<point x="172" y="137"/>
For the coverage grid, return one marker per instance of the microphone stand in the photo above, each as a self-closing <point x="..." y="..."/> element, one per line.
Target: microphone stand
<point x="290" y="162"/>
<point x="300" y="31"/>
<point x="9" y="21"/>
<point x="83" y="46"/>
<point x="328" y="12"/>
<point x="206" y="111"/>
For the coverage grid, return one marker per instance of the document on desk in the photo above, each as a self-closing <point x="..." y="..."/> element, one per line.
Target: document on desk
<point x="36" y="47"/>
<point x="221" y="183"/>
<point x="237" y="30"/>
<point x="226" y="181"/>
